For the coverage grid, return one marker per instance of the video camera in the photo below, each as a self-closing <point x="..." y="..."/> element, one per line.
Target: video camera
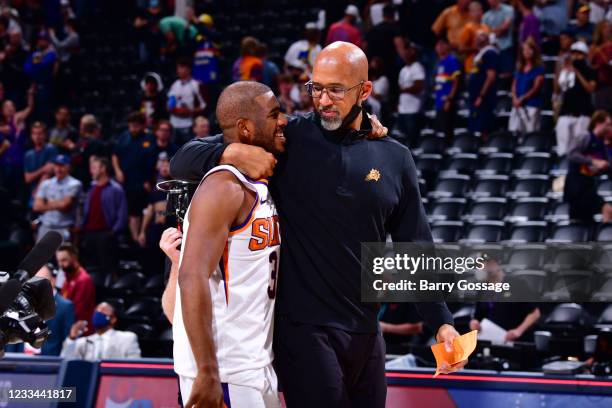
<point x="178" y="196"/>
<point x="26" y="302"/>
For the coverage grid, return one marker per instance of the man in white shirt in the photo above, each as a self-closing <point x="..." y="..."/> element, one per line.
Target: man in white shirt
<point x="105" y="343"/>
<point x="411" y="83"/>
<point x="302" y="54"/>
<point x="185" y="102"/>
<point x="57" y="198"/>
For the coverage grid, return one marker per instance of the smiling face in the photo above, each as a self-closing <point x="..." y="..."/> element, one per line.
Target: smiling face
<point x="269" y="124"/>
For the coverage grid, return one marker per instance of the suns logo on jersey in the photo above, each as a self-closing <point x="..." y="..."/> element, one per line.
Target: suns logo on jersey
<point x="264" y="233"/>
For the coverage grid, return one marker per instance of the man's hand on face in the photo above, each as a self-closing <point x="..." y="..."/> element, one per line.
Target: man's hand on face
<point x="378" y="130"/>
<point x="253" y="161"/>
<point x="447" y="334"/>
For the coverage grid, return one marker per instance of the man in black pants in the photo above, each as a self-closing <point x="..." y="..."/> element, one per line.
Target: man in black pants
<point x="334" y="189"/>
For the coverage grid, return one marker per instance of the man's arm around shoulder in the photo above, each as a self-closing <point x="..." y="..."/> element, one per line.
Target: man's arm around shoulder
<point x="194" y="159"/>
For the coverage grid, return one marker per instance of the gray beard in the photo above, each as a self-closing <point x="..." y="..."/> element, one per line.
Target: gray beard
<point x="331" y="124"/>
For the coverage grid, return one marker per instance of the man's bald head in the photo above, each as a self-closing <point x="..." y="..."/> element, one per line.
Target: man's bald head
<point x="340" y="65"/>
<point x="345" y="57"/>
<point x="237" y="101"/>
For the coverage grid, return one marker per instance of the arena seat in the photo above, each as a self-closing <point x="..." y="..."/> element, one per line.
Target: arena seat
<point x="604" y="188"/>
<point x="529" y="186"/>
<point x="499" y="142"/>
<point x="571" y="256"/>
<point x="447" y="209"/>
<point x="559" y="211"/>
<point x="604" y="294"/>
<point x="486" y="208"/>
<point x="571" y="286"/>
<point x="533" y="163"/>
<point x="154" y="284"/>
<point x="536" y="280"/>
<point x="567" y="315"/>
<point x="496" y="163"/>
<point x="464" y="143"/>
<point x="570" y="232"/>
<point x="128" y="284"/>
<point x="446" y="231"/>
<point x="604" y="233"/>
<point x="166" y="335"/>
<point x="527" y="209"/>
<point x="145" y="309"/>
<point x="463" y="163"/>
<point x="485" y="231"/>
<point x="453" y="185"/>
<point x="429" y="166"/>
<point x="527" y="256"/>
<point x="142" y="330"/>
<point x="535" y="142"/>
<point x="605" y="319"/>
<point x="490" y="186"/>
<point x="430" y="144"/>
<point x="528" y="231"/>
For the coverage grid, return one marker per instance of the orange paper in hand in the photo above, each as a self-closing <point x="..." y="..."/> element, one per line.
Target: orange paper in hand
<point x="463" y="346"/>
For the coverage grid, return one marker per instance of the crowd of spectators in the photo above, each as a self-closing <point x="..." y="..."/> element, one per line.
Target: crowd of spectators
<point x="96" y="185"/>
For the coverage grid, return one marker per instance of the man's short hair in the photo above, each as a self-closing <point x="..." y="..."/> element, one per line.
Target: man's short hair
<point x="237" y="101"/>
<point x="59" y="108"/>
<point x="68" y="247"/>
<point x="137" y="117"/>
<point x="598" y="117"/>
<point x="39" y="125"/>
<point x="183" y="62"/>
<point x="103" y="162"/>
<point x="163" y="122"/>
<point x="90" y="123"/>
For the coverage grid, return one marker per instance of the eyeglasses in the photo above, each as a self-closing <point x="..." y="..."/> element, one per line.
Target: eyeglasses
<point x="334" y="92"/>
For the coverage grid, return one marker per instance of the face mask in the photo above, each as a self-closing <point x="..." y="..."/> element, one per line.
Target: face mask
<point x="100" y="320"/>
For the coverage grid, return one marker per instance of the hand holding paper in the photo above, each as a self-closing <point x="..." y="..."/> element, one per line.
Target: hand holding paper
<point x="453" y="360"/>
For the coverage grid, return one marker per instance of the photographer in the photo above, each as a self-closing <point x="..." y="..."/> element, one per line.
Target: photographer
<point x="577" y="82"/>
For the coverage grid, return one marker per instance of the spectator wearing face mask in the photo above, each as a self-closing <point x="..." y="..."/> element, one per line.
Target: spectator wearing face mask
<point x="105" y="342"/>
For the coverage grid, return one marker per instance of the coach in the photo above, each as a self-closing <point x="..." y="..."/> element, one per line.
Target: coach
<point x="334" y="188"/>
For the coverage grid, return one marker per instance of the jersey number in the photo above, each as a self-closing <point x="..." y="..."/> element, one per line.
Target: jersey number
<point x="273" y="274"/>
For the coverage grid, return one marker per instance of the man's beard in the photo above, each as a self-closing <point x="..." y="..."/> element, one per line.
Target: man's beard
<point x="330" y="124"/>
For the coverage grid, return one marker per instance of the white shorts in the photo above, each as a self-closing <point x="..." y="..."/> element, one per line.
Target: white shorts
<point x="567" y="129"/>
<point x="240" y="396"/>
<point x="525" y="119"/>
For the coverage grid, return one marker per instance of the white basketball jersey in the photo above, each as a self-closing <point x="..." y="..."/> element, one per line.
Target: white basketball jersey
<point x="243" y="289"/>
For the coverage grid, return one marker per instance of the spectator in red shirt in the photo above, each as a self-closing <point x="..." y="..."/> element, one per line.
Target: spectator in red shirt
<point x="345" y="29"/>
<point x="78" y="287"/>
<point x="105" y="217"/>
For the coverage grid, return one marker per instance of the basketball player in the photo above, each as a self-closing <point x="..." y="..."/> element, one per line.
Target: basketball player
<point x="227" y="270"/>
